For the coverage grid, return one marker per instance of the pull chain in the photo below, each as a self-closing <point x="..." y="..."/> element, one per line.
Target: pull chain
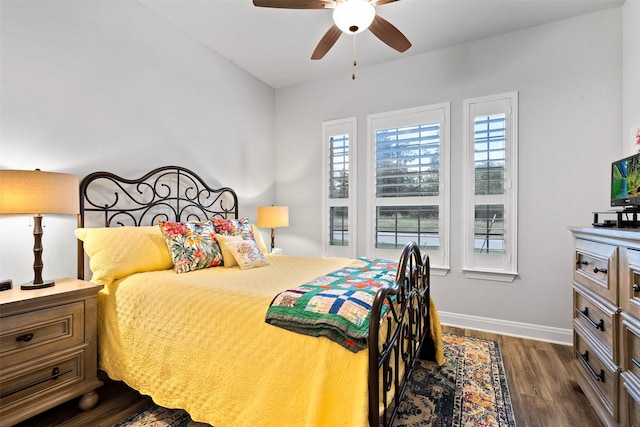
<point x="355" y="62"/>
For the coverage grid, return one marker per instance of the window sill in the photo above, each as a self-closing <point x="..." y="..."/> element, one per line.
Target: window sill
<point x="495" y="276"/>
<point x="439" y="271"/>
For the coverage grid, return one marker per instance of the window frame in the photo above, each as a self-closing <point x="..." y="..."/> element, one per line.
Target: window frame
<point x="496" y="267"/>
<point x="409" y="117"/>
<point x="329" y="128"/>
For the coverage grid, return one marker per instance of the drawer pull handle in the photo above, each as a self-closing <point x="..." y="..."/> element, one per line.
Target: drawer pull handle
<point x="636" y="288"/>
<point x="579" y="263"/>
<point x="635" y="362"/>
<point x="55" y="374"/>
<point x="585" y="359"/>
<point x="25" y="337"/>
<point x="585" y="313"/>
<point x="600" y="270"/>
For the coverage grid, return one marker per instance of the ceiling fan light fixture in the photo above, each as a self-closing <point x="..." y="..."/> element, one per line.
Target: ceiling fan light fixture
<point x="354" y="16"/>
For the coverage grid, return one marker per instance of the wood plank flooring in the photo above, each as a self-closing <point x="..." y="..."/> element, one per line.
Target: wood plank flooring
<point x="543" y="392"/>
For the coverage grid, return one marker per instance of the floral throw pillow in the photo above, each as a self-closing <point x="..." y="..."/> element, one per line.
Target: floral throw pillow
<point x="234" y="227"/>
<point x="193" y="245"/>
<point x="247" y="253"/>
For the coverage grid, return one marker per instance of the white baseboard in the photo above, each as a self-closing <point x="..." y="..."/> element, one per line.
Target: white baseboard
<point x="506" y="327"/>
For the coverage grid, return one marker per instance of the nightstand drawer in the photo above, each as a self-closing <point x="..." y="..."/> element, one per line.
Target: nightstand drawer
<point x="34" y="379"/>
<point x="597" y="318"/>
<point x="29" y="335"/>
<point x="596" y="268"/>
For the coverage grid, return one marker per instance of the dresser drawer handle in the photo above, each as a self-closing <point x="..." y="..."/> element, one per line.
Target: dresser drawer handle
<point x="585" y="313"/>
<point x="635" y="362"/>
<point x="585" y="359"/>
<point x="600" y="270"/>
<point x="25" y="337"/>
<point x="55" y="373"/>
<point x="579" y="263"/>
<point x="636" y="288"/>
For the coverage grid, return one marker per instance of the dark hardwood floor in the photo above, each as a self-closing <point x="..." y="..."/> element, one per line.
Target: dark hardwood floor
<point x="543" y="392"/>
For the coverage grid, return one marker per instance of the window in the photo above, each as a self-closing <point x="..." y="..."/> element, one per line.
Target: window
<point x="408" y="183"/>
<point x="338" y="188"/>
<point x="490" y="163"/>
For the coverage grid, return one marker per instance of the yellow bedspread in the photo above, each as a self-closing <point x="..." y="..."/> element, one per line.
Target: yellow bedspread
<point x="199" y="341"/>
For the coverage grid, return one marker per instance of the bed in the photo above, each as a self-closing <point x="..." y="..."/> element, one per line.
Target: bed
<point x="199" y="336"/>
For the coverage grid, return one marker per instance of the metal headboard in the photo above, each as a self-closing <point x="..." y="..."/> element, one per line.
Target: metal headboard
<point x="168" y="193"/>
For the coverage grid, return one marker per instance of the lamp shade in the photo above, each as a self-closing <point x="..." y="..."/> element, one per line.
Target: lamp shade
<point x="36" y="192"/>
<point x="273" y="216"/>
<point x="354" y="16"/>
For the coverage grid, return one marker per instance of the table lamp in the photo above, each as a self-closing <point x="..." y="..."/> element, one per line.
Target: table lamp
<point x="273" y="217"/>
<point x="37" y="193"/>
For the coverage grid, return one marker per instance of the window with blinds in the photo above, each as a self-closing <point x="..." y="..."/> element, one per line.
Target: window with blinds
<point x="491" y="187"/>
<point x="408" y="161"/>
<point x="489" y="167"/>
<point x="339" y="166"/>
<point x="408" y="199"/>
<point x="338" y="187"/>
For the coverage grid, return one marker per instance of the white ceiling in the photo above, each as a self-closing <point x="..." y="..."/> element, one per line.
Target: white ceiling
<point x="275" y="45"/>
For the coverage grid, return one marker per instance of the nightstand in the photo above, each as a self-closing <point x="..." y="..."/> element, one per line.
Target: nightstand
<point x="48" y="350"/>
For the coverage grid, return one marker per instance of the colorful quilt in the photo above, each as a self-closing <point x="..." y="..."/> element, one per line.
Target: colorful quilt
<point x="336" y="305"/>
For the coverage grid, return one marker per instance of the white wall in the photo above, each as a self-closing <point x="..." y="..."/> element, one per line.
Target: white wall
<point x="568" y="75"/>
<point x="109" y="85"/>
<point x="630" y="75"/>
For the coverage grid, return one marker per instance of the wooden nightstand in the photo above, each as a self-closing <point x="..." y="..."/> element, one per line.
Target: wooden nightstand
<point x="48" y="351"/>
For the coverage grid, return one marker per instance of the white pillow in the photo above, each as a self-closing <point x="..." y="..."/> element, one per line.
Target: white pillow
<point x="247" y="254"/>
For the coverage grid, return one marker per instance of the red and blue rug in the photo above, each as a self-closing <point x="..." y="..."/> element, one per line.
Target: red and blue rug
<point x="469" y="390"/>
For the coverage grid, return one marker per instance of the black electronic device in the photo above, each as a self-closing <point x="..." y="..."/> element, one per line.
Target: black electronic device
<point x="625" y="218"/>
<point x="625" y="194"/>
<point x="607" y="223"/>
<point x="5" y="285"/>
<point x="625" y="182"/>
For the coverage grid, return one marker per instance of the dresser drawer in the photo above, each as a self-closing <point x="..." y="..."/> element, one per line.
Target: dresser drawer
<point x="599" y="377"/>
<point x="630" y="281"/>
<point x="630" y="407"/>
<point x="29" y="335"/>
<point x="49" y="374"/>
<point x="630" y="345"/>
<point x="596" y="267"/>
<point x="597" y="318"/>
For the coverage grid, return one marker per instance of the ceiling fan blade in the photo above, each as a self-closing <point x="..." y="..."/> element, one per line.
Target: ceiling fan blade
<point x="389" y="34"/>
<point x="381" y="2"/>
<point x="295" y="4"/>
<point x="328" y="40"/>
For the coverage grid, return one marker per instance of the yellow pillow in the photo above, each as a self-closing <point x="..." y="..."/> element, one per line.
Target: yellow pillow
<point x="227" y="256"/>
<point x="116" y="252"/>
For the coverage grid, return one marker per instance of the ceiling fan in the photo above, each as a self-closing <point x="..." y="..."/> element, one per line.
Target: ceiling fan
<point x="349" y="16"/>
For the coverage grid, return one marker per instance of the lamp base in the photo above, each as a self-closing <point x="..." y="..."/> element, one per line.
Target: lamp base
<point x="31" y="285"/>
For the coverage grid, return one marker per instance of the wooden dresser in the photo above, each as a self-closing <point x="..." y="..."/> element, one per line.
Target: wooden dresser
<point x="47" y="348"/>
<point x="606" y="321"/>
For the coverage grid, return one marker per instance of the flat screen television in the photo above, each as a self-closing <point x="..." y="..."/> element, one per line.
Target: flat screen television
<point x="625" y="182"/>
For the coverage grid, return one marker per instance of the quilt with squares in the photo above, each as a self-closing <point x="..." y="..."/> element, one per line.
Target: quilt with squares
<point x="336" y="305"/>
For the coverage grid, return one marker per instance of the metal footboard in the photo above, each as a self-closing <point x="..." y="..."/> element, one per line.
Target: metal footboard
<point x="405" y="334"/>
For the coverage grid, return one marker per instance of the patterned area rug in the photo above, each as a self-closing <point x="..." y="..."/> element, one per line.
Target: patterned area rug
<point x="469" y="390"/>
